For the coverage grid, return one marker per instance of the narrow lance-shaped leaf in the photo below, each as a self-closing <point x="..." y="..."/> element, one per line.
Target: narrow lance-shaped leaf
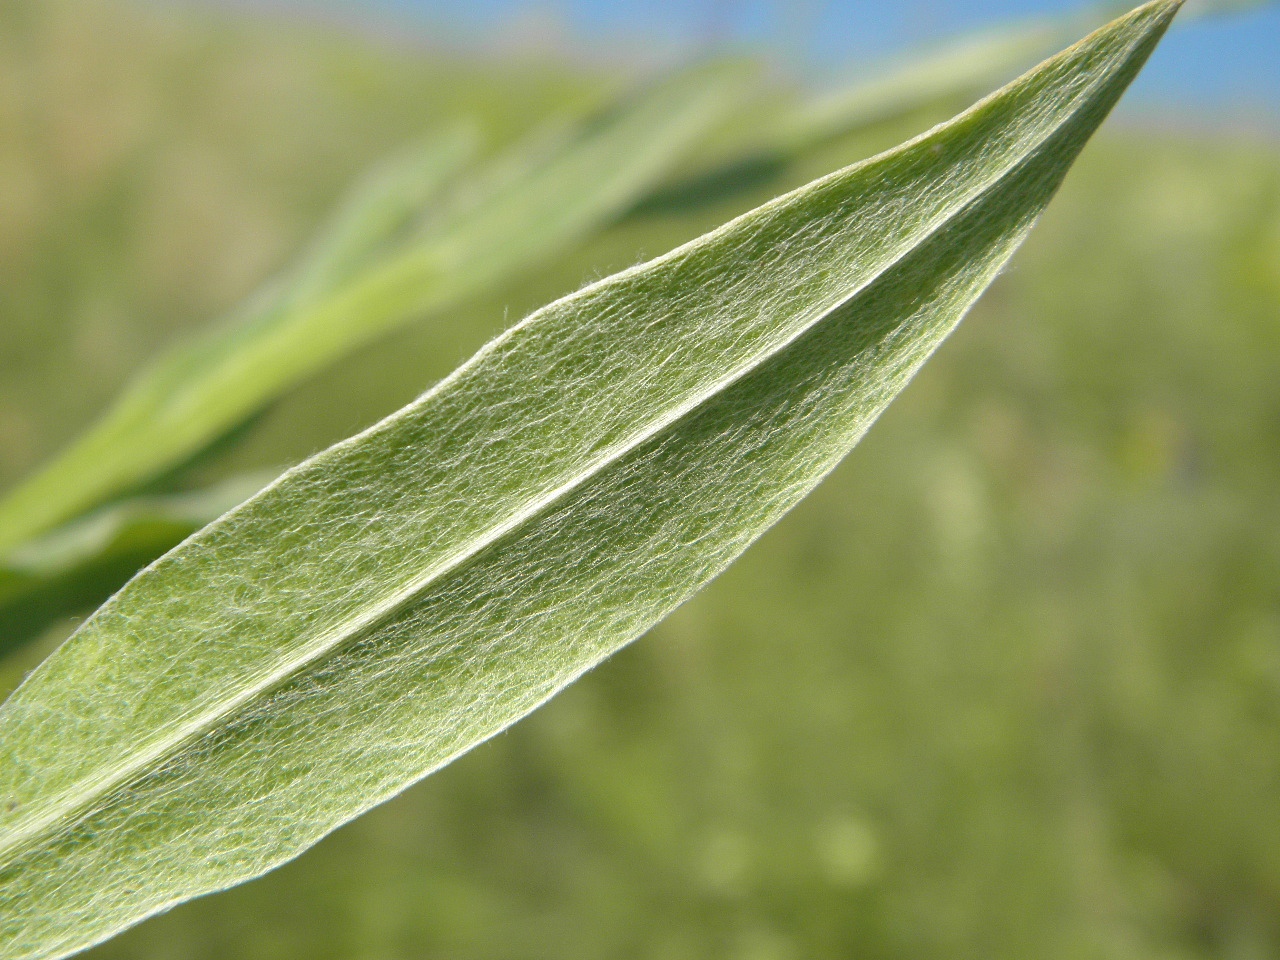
<point x="408" y="593"/>
<point x="196" y="393"/>
<point x="399" y="188"/>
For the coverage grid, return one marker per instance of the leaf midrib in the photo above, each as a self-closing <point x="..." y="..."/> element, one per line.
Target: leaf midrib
<point x="80" y="797"/>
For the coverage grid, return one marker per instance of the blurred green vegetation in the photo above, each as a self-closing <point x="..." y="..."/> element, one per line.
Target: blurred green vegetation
<point x="1007" y="686"/>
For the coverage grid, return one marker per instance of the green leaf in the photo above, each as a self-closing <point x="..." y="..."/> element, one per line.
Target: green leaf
<point x="518" y="212"/>
<point x="80" y="564"/>
<point x="408" y="593"/>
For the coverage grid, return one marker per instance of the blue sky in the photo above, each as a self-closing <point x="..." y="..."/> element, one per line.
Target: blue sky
<point x="1228" y="65"/>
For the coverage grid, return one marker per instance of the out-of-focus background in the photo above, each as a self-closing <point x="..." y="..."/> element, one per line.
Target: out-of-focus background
<point x="1006" y="686"/>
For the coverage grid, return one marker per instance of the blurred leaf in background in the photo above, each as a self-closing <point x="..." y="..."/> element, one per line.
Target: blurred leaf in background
<point x="369" y="272"/>
<point x="80" y="564"/>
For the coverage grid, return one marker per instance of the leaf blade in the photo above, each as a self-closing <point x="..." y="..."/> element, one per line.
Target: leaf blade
<point x="400" y="633"/>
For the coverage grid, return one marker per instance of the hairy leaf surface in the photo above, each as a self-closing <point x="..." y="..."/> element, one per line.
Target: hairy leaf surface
<point x="400" y="188"/>
<point x="406" y="594"/>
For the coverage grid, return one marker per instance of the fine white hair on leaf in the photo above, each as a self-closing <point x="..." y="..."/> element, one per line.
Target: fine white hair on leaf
<point x="410" y="592"/>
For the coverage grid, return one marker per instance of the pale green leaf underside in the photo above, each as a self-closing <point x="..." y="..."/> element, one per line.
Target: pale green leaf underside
<point x="403" y="185"/>
<point x="397" y="190"/>
<point x="406" y="594"/>
<point x="355" y="284"/>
